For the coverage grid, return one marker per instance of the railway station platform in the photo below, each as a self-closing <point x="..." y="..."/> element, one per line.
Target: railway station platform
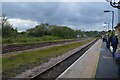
<point x="96" y="62"/>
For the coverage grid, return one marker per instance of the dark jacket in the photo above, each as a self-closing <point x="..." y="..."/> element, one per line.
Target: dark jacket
<point x="114" y="41"/>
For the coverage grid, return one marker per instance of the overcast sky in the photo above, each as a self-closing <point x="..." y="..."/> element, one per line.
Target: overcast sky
<point x="77" y="15"/>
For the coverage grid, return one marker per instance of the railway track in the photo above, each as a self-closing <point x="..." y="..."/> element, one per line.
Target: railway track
<point x="21" y="47"/>
<point x="53" y="72"/>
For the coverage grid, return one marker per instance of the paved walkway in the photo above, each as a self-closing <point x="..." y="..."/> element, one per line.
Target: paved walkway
<point x="86" y="65"/>
<point x="107" y="68"/>
<point x="97" y="62"/>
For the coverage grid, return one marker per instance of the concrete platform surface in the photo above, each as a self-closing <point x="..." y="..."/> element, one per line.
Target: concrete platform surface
<point x="86" y="65"/>
<point x="107" y="67"/>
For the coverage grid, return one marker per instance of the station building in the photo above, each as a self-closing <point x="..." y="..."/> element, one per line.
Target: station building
<point x="117" y="28"/>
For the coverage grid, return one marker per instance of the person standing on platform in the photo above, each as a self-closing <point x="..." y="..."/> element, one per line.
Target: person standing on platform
<point x="105" y="39"/>
<point x="114" y="44"/>
<point x="109" y="41"/>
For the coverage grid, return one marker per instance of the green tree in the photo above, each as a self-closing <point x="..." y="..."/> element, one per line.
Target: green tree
<point x="7" y="30"/>
<point x="39" y="30"/>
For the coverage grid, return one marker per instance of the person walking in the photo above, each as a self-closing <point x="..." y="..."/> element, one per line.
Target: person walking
<point x="114" y="44"/>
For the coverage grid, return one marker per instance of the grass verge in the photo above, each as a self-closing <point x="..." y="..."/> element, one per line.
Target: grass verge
<point x="8" y="41"/>
<point x="14" y="65"/>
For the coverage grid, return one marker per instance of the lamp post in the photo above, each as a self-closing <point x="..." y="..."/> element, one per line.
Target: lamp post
<point x="115" y="4"/>
<point x="112" y="18"/>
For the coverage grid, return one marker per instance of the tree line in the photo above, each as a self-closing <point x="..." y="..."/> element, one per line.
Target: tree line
<point x="44" y="29"/>
<point x="53" y="30"/>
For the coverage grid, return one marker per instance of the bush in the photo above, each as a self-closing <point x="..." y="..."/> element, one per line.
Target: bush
<point x="46" y="38"/>
<point x="7" y="41"/>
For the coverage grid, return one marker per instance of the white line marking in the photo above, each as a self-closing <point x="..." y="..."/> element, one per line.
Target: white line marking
<point x="74" y="63"/>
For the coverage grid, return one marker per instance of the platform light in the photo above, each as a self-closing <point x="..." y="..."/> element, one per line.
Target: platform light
<point x="112" y="18"/>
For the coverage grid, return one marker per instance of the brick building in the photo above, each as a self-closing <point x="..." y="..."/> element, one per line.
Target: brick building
<point x="117" y="28"/>
<point x="117" y="31"/>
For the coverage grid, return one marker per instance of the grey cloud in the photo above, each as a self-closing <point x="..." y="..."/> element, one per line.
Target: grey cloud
<point x="24" y="10"/>
<point x="83" y="13"/>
